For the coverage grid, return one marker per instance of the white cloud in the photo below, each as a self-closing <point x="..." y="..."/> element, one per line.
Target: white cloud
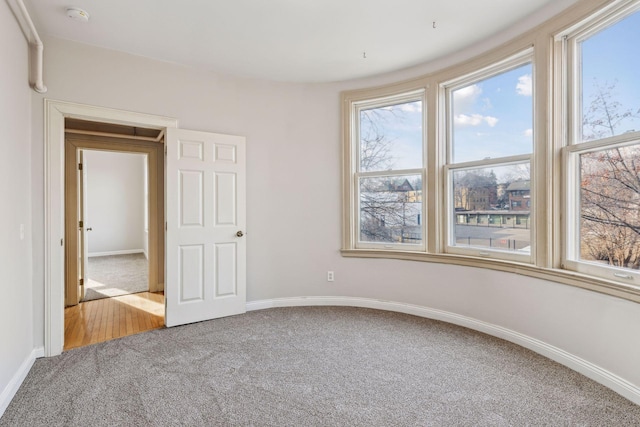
<point x="409" y="107"/>
<point x="474" y="120"/>
<point x="528" y="133"/>
<point x="491" y="121"/>
<point x="467" y="94"/>
<point x="525" y="85"/>
<point x="412" y="107"/>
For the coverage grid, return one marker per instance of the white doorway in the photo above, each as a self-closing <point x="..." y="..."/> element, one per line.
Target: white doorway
<point x="214" y="291"/>
<point x="113" y="183"/>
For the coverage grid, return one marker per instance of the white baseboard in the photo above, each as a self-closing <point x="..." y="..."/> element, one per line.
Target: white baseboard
<point x="586" y="368"/>
<point x="124" y="252"/>
<point x="12" y="388"/>
<point x="39" y="352"/>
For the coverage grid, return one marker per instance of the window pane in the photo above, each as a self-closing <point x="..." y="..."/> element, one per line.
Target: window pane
<point x="610" y="85"/>
<point x="391" y="137"/>
<point x="610" y="207"/>
<point x="492" y="207"/>
<point x="391" y="209"/>
<point x="493" y="118"/>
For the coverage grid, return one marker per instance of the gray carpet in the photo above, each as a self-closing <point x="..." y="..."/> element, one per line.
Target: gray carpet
<point x="318" y="366"/>
<point x="115" y="275"/>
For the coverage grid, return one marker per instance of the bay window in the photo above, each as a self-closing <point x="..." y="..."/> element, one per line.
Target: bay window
<point x="531" y="163"/>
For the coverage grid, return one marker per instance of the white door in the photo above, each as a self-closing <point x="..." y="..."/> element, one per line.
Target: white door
<point x="206" y="219"/>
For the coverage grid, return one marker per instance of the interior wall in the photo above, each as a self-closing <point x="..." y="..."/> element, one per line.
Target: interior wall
<point x="294" y="204"/>
<point x="16" y="319"/>
<point x="115" y="202"/>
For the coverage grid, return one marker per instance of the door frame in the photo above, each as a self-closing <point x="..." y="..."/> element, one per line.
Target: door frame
<point x="155" y="171"/>
<point x="55" y="113"/>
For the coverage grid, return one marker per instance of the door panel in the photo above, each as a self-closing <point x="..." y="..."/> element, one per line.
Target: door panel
<point x="225" y="207"/>
<point x="205" y="254"/>
<point x="191" y="268"/>
<point x="225" y="259"/>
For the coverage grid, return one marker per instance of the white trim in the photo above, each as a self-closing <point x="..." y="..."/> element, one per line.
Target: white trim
<point x="123" y="252"/>
<point x="586" y="368"/>
<point x="39" y="352"/>
<point x="389" y="100"/>
<point x="55" y="113"/>
<point x="16" y="381"/>
<point x="355" y="109"/>
<point x="606" y="15"/>
<point x="487" y="163"/>
<point x="509" y="63"/>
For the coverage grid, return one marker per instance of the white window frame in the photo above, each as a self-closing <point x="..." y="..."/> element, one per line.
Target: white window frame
<point x="574" y="147"/>
<point x="522" y="58"/>
<point x="356" y="174"/>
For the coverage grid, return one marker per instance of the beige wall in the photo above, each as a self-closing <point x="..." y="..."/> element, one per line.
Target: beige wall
<point x="115" y="201"/>
<point x="16" y="320"/>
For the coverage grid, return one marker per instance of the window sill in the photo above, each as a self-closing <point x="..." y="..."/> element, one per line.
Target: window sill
<point x="566" y="277"/>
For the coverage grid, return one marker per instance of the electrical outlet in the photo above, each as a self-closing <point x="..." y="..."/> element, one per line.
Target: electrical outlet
<point x="330" y="276"/>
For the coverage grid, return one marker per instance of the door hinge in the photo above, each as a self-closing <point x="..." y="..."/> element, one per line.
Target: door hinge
<point x="165" y="150"/>
<point x="166" y="226"/>
<point x="61" y="242"/>
<point x="80" y="224"/>
<point x="81" y="282"/>
<point x="79" y="166"/>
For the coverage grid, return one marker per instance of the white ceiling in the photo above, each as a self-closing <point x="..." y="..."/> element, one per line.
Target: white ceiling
<point x="288" y="40"/>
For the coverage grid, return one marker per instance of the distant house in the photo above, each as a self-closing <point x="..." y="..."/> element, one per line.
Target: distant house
<point x="519" y="195"/>
<point x="391" y="211"/>
<point x="402" y="186"/>
<point x="475" y="192"/>
<point x="413" y="193"/>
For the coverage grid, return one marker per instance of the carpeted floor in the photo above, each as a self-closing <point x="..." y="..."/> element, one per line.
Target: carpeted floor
<point x="312" y="366"/>
<point x="115" y="275"/>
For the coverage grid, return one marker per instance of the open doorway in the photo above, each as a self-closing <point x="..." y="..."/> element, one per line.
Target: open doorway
<point x="114" y="217"/>
<point x="216" y="287"/>
<point x="113" y="198"/>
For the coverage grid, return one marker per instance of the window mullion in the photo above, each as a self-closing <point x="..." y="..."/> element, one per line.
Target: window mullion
<point x="399" y="172"/>
<point x="491" y="162"/>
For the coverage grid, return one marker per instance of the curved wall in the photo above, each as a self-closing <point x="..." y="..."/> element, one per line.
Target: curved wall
<point x="294" y="207"/>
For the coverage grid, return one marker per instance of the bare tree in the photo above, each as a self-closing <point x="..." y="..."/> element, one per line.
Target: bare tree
<point x="375" y="146"/>
<point x="388" y="206"/>
<point x="610" y="186"/>
<point x="605" y="114"/>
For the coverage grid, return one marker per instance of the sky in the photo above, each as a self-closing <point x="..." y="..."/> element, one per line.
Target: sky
<point x="493" y="118"/>
<point x="402" y="125"/>
<point x="612" y="56"/>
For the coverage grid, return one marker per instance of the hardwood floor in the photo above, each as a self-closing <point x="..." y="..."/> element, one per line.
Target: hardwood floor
<point x="108" y="318"/>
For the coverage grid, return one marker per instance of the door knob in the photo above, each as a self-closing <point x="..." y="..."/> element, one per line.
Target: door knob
<point x="239" y="234"/>
<point x="89" y="229"/>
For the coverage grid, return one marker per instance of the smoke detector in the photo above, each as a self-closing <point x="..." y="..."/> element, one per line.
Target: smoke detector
<point x="78" y="14"/>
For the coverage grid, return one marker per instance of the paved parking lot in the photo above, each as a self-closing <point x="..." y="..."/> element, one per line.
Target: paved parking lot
<point x="491" y="236"/>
